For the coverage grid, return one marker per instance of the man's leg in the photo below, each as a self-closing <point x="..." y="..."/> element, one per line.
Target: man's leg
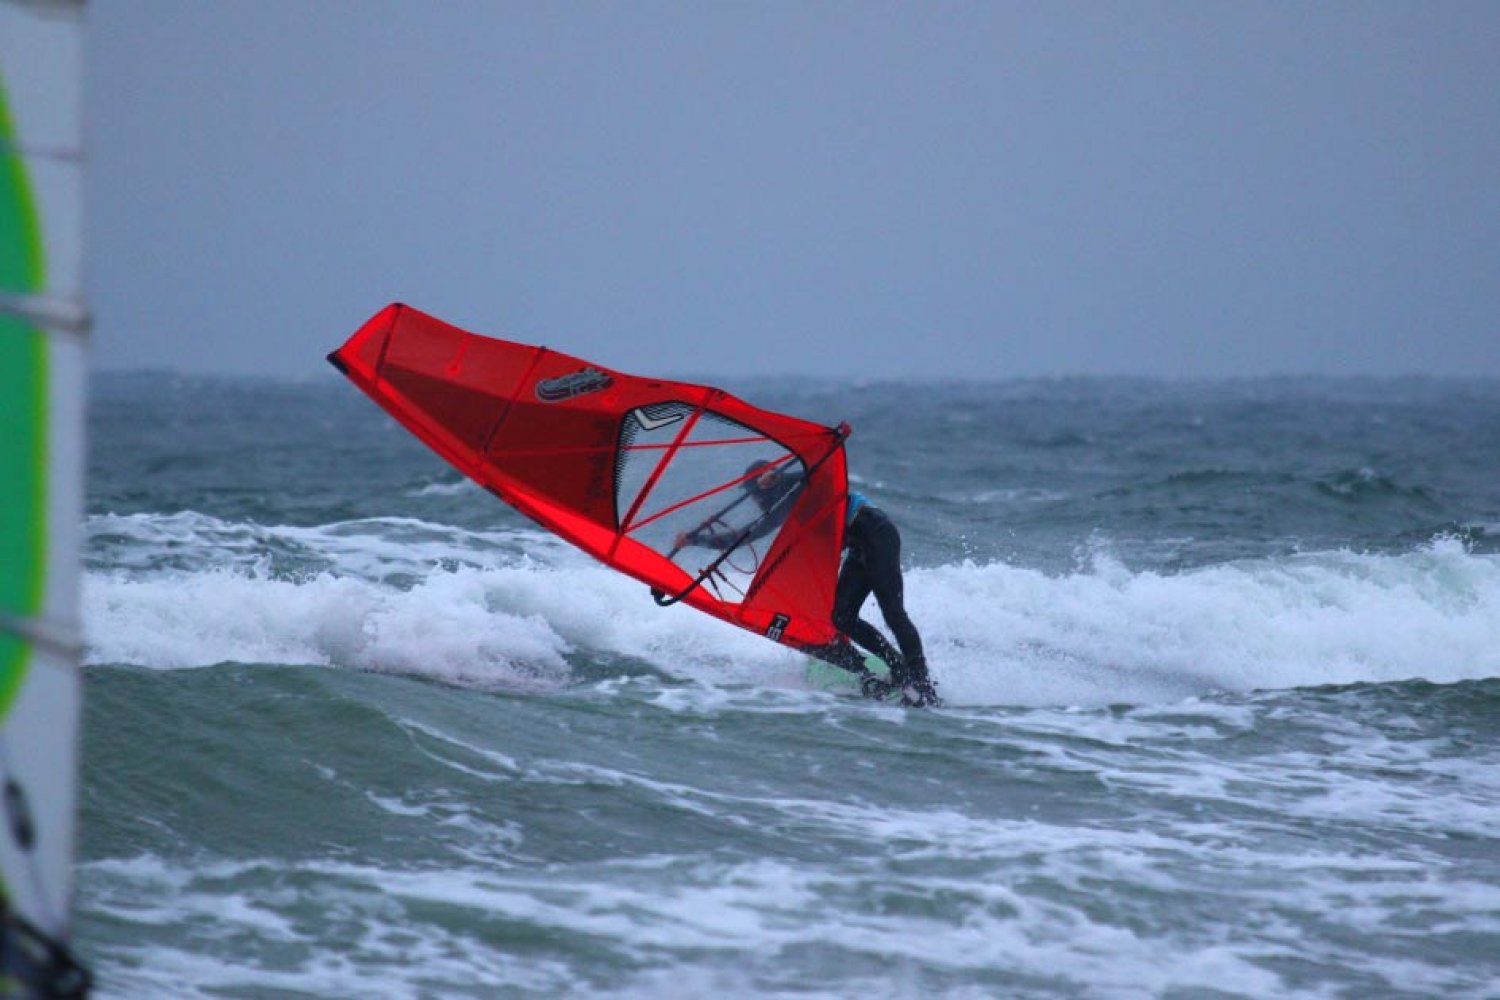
<point x="848" y="595"/>
<point x="883" y="565"/>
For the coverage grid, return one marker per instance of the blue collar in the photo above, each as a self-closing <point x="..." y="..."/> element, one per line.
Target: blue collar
<point x="856" y="501"/>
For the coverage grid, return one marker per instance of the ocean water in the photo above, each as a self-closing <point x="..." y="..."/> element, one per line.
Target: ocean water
<point x="1221" y="663"/>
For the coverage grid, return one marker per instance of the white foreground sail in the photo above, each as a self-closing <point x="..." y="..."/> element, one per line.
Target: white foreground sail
<point x="43" y="323"/>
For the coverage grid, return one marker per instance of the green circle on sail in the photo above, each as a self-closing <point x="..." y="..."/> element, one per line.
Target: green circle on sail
<point x="23" y="423"/>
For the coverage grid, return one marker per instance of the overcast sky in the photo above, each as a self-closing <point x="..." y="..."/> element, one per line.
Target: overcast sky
<point x="871" y="189"/>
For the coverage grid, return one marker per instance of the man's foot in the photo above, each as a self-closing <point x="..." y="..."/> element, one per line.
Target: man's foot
<point x="919" y="694"/>
<point x="900" y="672"/>
<point x="873" y="687"/>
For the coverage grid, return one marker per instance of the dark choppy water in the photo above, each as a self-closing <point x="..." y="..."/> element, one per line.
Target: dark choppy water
<point x="1222" y="663"/>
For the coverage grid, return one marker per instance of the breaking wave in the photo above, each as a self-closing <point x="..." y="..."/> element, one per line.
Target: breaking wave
<point x="519" y="609"/>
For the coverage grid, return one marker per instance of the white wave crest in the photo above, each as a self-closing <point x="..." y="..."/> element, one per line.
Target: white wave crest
<point x="370" y="548"/>
<point x="996" y="634"/>
<point x="1022" y="637"/>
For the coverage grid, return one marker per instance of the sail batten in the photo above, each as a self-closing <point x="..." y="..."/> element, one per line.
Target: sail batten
<point x="65" y="639"/>
<point x="59" y="315"/>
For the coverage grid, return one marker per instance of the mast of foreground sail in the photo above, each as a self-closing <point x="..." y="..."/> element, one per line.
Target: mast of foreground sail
<point x="44" y="321"/>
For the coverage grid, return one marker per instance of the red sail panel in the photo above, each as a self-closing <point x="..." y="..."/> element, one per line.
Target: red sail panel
<point x="651" y="477"/>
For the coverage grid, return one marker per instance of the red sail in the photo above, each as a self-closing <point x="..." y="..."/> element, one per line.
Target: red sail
<point x="624" y="467"/>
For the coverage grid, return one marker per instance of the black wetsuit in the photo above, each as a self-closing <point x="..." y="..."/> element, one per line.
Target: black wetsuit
<point x="872" y="564"/>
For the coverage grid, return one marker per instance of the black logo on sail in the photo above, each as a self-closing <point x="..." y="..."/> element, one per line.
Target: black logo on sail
<point x="778" y="626"/>
<point x="555" y="390"/>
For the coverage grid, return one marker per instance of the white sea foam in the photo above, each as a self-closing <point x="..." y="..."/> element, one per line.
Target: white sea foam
<point x="443" y="628"/>
<point x="512" y="607"/>
<point x="1020" y="636"/>
<point x="463" y="487"/>
<point x="370" y="548"/>
<point x="382" y="954"/>
<point x="1050" y="925"/>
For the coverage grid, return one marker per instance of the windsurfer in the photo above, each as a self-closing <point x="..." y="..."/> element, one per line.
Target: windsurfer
<point x="872" y="564"/>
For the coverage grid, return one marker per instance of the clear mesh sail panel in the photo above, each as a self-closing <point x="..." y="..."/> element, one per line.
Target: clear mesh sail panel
<point x="704" y="493"/>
